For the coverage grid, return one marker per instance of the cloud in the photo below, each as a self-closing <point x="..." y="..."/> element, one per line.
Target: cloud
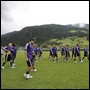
<point x="15" y="15"/>
<point x="5" y="12"/>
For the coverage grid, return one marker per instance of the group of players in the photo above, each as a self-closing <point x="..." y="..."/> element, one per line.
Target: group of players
<point x="65" y="54"/>
<point x="32" y="52"/>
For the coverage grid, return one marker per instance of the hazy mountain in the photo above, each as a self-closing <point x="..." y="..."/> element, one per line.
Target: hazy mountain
<point x="43" y="33"/>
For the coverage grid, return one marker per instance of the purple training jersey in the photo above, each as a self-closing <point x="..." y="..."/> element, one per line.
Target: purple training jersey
<point x="30" y="50"/>
<point x="77" y="49"/>
<point x="54" y="50"/>
<point x="11" y="49"/>
<point x="85" y="50"/>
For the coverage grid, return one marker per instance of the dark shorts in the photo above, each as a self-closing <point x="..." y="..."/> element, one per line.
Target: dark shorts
<point x="54" y="55"/>
<point x="51" y="54"/>
<point x="72" y="52"/>
<point x="13" y="56"/>
<point x="8" y="57"/>
<point x="30" y="62"/>
<point x="35" y="52"/>
<point x="62" y="53"/>
<point x="85" y="54"/>
<point x="77" y="54"/>
<point x="33" y="57"/>
<point x="40" y="52"/>
<point x="67" y="54"/>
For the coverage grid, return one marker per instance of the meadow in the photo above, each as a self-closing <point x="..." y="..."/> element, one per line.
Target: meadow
<point x="49" y="75"/>
<point x="71" y="41"/>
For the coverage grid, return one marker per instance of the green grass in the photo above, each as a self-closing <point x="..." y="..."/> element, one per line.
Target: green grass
<point x="49" y="75"/>
<point x="71" y="41"/>
<point x="74" y="31"/>
<point x="83" y="31"/>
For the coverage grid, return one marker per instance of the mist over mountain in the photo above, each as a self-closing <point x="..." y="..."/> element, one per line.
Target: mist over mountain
<point x="81" y="25"/>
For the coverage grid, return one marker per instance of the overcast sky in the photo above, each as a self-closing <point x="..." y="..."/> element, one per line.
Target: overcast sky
<point x="15" y="15"/>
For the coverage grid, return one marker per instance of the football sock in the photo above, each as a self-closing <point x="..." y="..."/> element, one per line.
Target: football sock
<point x="3" y="64"/>
<point x="74" y="59"/>
<point x="11" y="63"/>
<point x="27" y="72"/>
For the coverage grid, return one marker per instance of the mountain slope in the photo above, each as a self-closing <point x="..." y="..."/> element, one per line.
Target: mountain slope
<point x="42" y="34"/>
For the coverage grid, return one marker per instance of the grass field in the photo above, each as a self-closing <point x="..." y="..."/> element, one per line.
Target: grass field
<point x="49" y="75"/>
<point x="71" y="41"/>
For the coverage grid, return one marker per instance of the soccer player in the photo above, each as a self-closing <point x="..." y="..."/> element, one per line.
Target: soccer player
<point x="62" y="52"/>
<point x="29" y="52"/>
<point x="73" y="51"/>
<point x="54" y="50"/>
<point x="35" y="50"/>
<point x="51" y="52"/>
<point x="14" y="53"/>
<point x="85" y="53"/>
<point x="77" y="53"/>
<point x="67" y="54"/>
<point x="39" y="50"/>
<point x="34" y="57"/>
<point x="8" y="56"/>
